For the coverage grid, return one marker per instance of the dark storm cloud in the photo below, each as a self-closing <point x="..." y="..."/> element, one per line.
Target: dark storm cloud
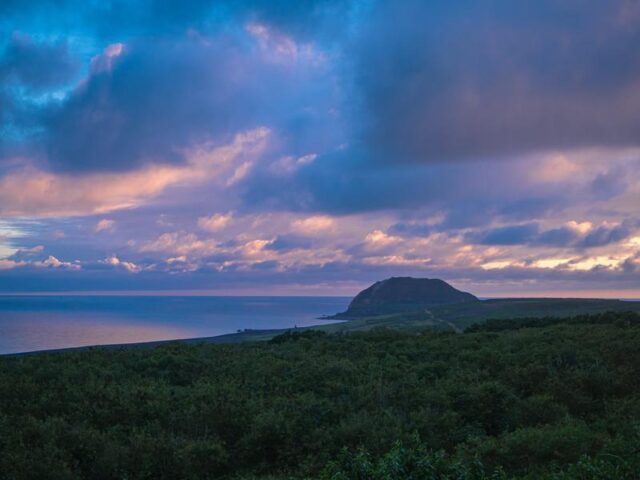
<point x="189" y="73"/>
<point x="145" y="107"/>
<point x="606" y="235"/>
<point x="440" y="80"/>
<point x="531" y="234"/>
<point x="466" y="194"/>
<point x="610" y="184"/>
<point x="117" y="18"/>
<point x="284" y="243"/>
<point x="29" y="68"/>
<point x="510" y="235"/>
<point x="468" y="79"/>
<point x="632" y="264"/>
<point x="558" y="237"/>
<point x="157" y="98"/>
<point x="36" y="65"/>
<point x="411" y="229"/>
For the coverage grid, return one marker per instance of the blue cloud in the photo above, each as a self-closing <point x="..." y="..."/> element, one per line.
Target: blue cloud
<point x="37" y="66"/>
<point x="605" y="235"/>
<point x="285" y="243"/>
<point x="471" y="79"/>
<point x="559" y="237"/>
<point x="160" y="98"/>
<point x="509" y="235"/>
<point x="531" y="234"/>
<point x="414" y="229"/>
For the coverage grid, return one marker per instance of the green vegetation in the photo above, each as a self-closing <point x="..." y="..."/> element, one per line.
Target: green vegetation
<point x="556" y="399"/>
<point x="465" y="315"/>
<point x="406" y="303"/>
<point x="458" y="317"/>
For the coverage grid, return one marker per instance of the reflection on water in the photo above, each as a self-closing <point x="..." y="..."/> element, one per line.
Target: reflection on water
<point x="37" y="322"/>
<point x="59" y="330"/>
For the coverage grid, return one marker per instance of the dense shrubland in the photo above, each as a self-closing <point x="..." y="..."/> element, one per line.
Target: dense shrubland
<point x="550" y="398"/>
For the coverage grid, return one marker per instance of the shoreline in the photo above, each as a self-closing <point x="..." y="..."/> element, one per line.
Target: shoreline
<point x="225" y="338"/>
<point x="516" y="308"/>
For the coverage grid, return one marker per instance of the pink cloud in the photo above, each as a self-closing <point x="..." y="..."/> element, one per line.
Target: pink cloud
<point x="36" y="193"/>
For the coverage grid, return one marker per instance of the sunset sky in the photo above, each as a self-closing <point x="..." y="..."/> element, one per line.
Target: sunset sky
<point x="288" y="147"/>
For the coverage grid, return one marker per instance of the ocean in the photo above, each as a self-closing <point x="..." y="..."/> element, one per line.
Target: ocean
<point x="29" y="323"/>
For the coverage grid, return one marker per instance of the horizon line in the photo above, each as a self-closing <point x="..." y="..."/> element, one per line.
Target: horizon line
<point x="569" y="294"/>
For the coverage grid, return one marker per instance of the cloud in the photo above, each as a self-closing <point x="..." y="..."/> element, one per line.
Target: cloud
<point x="104" y="225"/>
<point x="379" y="239"/>
<point x="415" y="229"/>
<point x="632" y="264"/>
<point x="50" y="262"/>
<point x="31" y="250"/>
<point x="509" y="235"/>
<point x="215" y="222"/>
<point x="561" y="236"/>
<point x="572" y="234"/>
<point x="26" y="253"/>
<point x="53" y="262"/>
<point x="314" y="225"/>
<point x="36" y="66"/>
<point x="162" y="18"/>
<point x="32" y="192"/>
<point x="289" y="164"/>
<point x="330" y="132"/>
<point x="606" y="234"/>
<point x="290" y="242"/>
<point x="149" y="101"/>
<point x="346" y="181"/>
<point x="517" y="78"/>
<point x="114" y="261"/>
<point x="180" y="243"/>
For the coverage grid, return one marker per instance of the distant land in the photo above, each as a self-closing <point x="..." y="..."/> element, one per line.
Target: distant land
<point x="413" y="304"/>
<point x="404" y="294"/>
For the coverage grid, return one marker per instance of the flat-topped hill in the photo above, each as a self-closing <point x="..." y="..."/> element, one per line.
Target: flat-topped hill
<point x="404" y="294"/>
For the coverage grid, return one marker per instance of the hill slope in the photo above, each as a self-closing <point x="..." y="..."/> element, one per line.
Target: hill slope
<point x="404" y="294"/>
<point x="457" y="317"/>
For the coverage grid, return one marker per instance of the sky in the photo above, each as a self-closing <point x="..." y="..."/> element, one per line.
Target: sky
<point x="272" y="147"/>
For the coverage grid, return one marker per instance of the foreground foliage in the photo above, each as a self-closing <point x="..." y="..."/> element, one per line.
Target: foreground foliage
<point x="554" y="399"/>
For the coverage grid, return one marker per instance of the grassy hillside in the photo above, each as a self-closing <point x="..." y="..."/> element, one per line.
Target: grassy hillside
<point x="456" y="317"/>
<point x="553" y="399"/>
<point x="464" y="315"/>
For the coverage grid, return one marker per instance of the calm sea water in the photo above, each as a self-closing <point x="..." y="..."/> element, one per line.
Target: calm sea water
<point x="30" y="323"/>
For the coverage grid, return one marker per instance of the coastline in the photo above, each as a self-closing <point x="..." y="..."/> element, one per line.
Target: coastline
<point x="50" y="323"/>
<point x="238" y="337"/>
<point x="455" y="318"/>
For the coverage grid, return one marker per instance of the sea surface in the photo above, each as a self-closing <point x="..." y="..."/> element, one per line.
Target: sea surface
<point x="29" y="323"/>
